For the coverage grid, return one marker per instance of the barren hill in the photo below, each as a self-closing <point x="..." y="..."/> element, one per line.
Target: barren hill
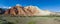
<point x="26" y="11"/>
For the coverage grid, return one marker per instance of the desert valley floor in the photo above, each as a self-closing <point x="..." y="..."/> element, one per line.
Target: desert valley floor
<point x="29" y="19"/>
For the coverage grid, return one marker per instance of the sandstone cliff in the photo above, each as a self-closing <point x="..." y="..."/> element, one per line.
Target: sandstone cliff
<point x="26" y="11"/>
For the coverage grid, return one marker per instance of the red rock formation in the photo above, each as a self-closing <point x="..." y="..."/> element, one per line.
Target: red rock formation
<point x="24" y="11"/>
<point x="32" y="10"/>
<point x="17" y="10"/>
<point x="6" y="12"/>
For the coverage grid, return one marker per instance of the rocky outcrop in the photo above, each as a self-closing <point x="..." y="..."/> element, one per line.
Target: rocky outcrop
<point x="34" y="10"/>
<point x="17" y="10"/>
<point x="26" y="11"/>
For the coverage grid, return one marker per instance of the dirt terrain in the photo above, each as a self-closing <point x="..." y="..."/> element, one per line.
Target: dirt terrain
<point x="29" y="20"/>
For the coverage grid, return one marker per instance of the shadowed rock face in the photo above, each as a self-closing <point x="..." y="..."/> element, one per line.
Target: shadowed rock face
<point x="17" y="10"/>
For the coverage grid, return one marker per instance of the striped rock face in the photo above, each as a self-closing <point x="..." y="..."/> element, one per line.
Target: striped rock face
<point x="15" y="11"/>
<point x="26" y="11"/>
<point x="34" y="10"/>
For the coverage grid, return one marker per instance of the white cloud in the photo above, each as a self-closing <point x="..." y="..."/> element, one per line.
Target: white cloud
<point x="4" y="6"/>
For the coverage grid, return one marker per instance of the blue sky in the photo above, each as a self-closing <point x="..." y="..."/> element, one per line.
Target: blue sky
<point x="52" y="5"/>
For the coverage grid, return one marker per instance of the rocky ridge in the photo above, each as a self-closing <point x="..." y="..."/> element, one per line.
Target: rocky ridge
<point x="26" y="11"/>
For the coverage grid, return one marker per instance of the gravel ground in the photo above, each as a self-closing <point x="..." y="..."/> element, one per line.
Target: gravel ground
<point x="30" y="20"/>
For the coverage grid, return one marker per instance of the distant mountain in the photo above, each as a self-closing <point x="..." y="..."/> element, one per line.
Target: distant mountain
<point x="26" y="11"/>
<point x="55" y="13"/>
<point x="2" y="11"/>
